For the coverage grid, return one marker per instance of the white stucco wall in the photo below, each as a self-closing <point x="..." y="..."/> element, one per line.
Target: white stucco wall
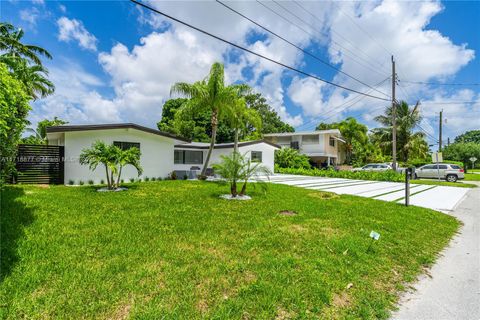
<point x="268" y="155"/>
<point x="156" y="159"/>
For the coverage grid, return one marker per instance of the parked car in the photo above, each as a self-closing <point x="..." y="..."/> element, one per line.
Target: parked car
<point x="374" y="167"/>
<point x="449" y="172"/>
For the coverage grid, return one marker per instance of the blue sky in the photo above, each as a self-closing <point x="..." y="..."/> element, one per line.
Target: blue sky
<point x="115" y="62"/>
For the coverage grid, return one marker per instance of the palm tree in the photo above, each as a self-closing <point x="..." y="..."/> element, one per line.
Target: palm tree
<point x="209" y="93"/>
<point x="11" y="45"/>
<point x="128" y="157"/>
<point x="101" y="153"/>
<point x="240" y="116"/>
<point x="34" y="78"/>
<point x="408" y="142"/>
<point x="352" y="131"/>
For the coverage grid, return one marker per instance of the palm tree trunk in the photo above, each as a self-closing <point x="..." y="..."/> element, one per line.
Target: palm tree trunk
<point x="233" y="189"/>
<point x="212" y="141"/>
<point x="244" y="189"/>
<point x="119" y="174"/>
<point x="235" y="142"/>
<point x="112" y="180"/>
<point x="109" y="184"/>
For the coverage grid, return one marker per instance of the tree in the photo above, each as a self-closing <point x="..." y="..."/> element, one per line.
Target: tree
<point x="410" y="144"/>
<point x="12" y="46"/>
<point x="271" y="122"/>
<point x="40" y="133"/>
<point x="23" y="61"/>
<point x="112" y="158"/>
<point x="237" y="167"/>
<point x="469" y="136"/>
<point x="462" y="152"/>
<point x="208" y="94"/>
<point x="353" y="133"/>
<point x="14" y="109"/>
<point x="291" y="158"/>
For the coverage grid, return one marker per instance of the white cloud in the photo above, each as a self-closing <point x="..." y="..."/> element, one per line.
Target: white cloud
<point x="72" y="29"/>
<point x="40" y="2"/>
<point x="62" y="8"/>
<point x="30" y="16"/>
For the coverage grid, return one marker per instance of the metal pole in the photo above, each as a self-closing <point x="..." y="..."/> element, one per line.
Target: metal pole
<point x="407" y="187"/>
<point x="394" y="119"/>
<point x="440" y="132"/>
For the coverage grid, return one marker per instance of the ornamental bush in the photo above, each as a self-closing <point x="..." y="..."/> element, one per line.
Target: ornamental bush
<point x="291" y="158"/>
<point x="388" y="175"/>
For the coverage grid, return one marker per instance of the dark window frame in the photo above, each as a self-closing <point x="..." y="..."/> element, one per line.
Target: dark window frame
<point x="256" y="158"/>
<point x="125" y="145"/>
<point x="331" y="142"/>
<point x="182" y="160"/>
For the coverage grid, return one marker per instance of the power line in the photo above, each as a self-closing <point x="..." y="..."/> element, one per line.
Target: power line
<point x="338" y="34"/>
<point x="255" y="53"/>
<point x="358" y="98"/>
<point x="299" y="48"/>
<point x="311" y="34"/>
<point x="441" y="84"/>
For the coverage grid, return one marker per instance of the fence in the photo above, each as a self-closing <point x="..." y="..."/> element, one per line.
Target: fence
<point x="40" y="164"/>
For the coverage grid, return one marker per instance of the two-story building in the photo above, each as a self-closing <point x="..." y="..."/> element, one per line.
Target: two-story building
<point x="324" y="147"/>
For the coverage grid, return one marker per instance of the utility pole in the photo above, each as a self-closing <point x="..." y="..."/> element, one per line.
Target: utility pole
<point x="440" y="132"/>
<point x="394" y="119"/>
<point x="448" y="141"/>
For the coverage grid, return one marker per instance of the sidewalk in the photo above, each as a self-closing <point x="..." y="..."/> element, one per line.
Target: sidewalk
<point x="453" y="291"/>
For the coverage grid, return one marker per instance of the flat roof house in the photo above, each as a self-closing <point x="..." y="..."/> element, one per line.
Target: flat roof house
<point x="322" y="146"/>
<point x="162" y="152"/>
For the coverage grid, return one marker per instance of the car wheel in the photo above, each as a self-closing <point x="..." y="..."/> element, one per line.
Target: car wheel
<point x="451" y="178"/>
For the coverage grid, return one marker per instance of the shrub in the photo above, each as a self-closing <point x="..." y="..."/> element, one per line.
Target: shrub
<point x="185" y="177"/>
<point x="102" y="181"/>
<point x="173" y="175"/>
<point x="291" y="158"/>
<point x="132" y="180"/>
<point x="388" y="175"/>
<point x="147" y="179"/>
<point x="122" y="181"/>
<point x="139" y="180"/>
<point x="71" y="182"/>
<point x="81" y="183"/>
<point x="159" y="178"/>
<point x="90" y="182"/>
<point x="202" y="177"/>
<point x="153" y="178"/>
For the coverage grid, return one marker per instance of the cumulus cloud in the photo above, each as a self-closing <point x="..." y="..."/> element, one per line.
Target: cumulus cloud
<point x="73" y="29"/>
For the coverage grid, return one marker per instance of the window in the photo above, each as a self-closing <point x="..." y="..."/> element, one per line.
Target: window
<point x="126" y="145"/>
<point x="442" y="166"/>
<point x="455" y="166"/>
<point x="188" y="157"/>
<point x="429" y="167"/>
<point x="332" y="142"/>
<point x="256" y="156"/>
<point x="294" y="145"/>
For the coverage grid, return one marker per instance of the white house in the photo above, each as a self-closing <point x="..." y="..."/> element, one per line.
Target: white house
<point x="161" y="152"/>
<point x="322" y="146"/>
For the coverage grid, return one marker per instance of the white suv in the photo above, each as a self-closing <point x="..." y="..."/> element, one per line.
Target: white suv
<point x="449" y="172"/>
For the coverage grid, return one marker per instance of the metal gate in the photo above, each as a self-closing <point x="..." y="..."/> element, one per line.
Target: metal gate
<point x="40" y="164"/>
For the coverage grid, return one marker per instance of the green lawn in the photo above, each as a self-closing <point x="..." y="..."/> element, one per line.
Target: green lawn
<point x="174" y="250"/>
<point x="472" y="177"/>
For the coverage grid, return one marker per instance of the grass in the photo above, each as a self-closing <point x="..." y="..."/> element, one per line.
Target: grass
<point x="435" y="182"/>
<point x="472" y="177"/>
<point x="173" y="249"/>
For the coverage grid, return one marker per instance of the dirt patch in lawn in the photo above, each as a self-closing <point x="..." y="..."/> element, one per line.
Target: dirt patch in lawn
<point x="323" y="195"/>
<point x="287" y="213"/>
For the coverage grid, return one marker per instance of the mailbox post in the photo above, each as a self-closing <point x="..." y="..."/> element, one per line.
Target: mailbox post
<point x="409" y="174"/>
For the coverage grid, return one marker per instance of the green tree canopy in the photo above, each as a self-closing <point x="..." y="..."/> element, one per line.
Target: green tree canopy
<point x="462" y="152"/>
<point x="14" y="108"/>
<point x="40" y="133"/>
<point x="469" y="136"/>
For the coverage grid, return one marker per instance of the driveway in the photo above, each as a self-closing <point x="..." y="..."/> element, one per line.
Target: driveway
<point x="439" y="198"/>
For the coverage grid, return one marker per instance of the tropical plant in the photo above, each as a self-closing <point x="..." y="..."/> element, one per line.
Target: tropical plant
<point x="40" y="133"/>
<point x="236" y="168"/>
<point x="469" y="136"/>
<point x="112" y="158"/>
<point x="462" y="152"/>
<point x="409" y="143"/>
<point x="14" y="109"/>
<point x="271" y="122"/>
<point x="291" y="158"/>
<point x="208" y="94"/>
<point x="354" y="135"/>
<point x="12" y="46"/>
<point x="241" y="117"/>
<point x="34" y="77"/>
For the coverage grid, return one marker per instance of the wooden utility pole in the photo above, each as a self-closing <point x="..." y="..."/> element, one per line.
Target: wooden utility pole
<point x="394" y="119"/>
<point x="440" y="132"/>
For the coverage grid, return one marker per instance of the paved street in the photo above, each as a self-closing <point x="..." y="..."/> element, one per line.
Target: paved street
<point x="439" y="198"/>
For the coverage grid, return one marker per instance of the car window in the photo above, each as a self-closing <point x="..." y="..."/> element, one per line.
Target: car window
<point x="454" y="166"/>
<point x="368" y="166"/>
<point x="429" y="167"/>
<point x="442" y="166"/>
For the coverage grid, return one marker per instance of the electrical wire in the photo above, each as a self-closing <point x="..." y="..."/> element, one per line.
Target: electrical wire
<point x="253" y="52"/>
<point x="299" y="48"/>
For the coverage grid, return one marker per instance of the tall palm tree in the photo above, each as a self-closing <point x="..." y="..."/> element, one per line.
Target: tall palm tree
<point x="12" y="46"/>
<point x="240" y="116"/>
<point x="408" y="142"/>
<point x="209" y="93"/>
<point x="34" y="78"/>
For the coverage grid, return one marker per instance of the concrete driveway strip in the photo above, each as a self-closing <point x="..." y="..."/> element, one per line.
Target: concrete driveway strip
<point x="453" y="291"/>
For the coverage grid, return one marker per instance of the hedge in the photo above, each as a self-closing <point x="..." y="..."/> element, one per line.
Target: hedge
<point x="388" y="175"/>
